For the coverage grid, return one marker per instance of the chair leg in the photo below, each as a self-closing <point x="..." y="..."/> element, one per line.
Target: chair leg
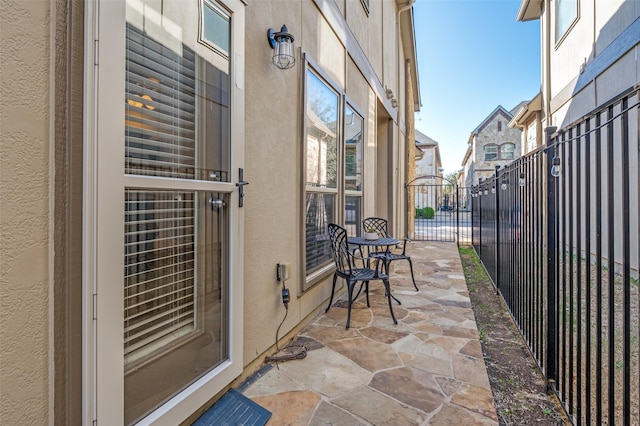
<point x="387" y="263"/>
<point x="388" y="289"/>
<point x="359" y="291"/>
<point x="366" y="290"/>
<point x="333" y="288"/>
<point x="411" y="269"/>
<point x="350" y="292"/>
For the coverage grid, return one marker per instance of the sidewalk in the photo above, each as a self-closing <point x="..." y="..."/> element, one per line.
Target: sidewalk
<point x="427" y="370"/>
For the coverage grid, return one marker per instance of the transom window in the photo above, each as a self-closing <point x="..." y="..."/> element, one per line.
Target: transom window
<point x="365" y="5"/>
<point x="215" y="27"/>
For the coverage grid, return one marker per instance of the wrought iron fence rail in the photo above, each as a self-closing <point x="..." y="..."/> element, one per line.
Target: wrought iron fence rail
<point x="562" y="249"/>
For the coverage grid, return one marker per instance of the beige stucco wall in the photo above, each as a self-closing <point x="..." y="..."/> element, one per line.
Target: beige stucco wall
<point x="274" y="219"/>
<point x="598" y="25"/>
<point x="273" y="159"/>
<point x="24" y="212"/>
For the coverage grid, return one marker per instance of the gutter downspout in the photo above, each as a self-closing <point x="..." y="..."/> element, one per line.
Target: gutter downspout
<point x="404" y="8"/>
<point x="547" y="65"/>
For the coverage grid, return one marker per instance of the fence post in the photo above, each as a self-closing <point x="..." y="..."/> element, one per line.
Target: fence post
<point x="479" y="199"/>
<point x="472" y="203"/>
<point x="496" y="188"/>
<point x="552" y="320"/>
<point x="457" y="206"/>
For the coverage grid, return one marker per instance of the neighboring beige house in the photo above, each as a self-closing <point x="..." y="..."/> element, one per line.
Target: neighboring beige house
<point x="428" y="162"/>
<point x="589" y="61"/>
<point x="588" y="56"/>
<point x="428" y="167"/>
<point x="493" y="143"/>
<point x="528" y="118"/>
<point x="138" y="271"/>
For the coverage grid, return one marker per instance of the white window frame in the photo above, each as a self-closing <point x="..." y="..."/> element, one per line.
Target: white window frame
<point x="309" y="65"/>
<point x="352" y="192"/>
<point x="103" y="207"/>
<point x="310" y="279"/>
<point x="566" y="15"/>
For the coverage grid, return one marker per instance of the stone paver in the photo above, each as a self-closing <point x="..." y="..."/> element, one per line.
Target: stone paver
<point x="426" y="370"/>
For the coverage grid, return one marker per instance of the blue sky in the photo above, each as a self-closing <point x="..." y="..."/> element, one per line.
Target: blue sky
<point x="472" y="56"/>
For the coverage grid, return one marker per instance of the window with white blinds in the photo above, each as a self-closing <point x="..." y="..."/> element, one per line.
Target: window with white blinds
<point x="160" y="110"/>
<point x="160" y="140"/>
<point x="173" y="225"/>
<point x="160" y="281"/>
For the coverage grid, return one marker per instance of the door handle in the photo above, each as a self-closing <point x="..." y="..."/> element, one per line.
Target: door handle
<point x="241" y="183"/>
<point x="216" y="203"/>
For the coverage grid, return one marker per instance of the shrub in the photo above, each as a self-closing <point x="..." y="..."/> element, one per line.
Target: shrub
<point x="429" y="212"/>
<point x="425" y="213"/>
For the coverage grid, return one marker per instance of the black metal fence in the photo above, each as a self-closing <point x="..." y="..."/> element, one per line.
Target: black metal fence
<point x="558" y="232"/>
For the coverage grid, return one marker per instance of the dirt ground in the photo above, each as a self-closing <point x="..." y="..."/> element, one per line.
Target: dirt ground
<point x="518" y="386"/>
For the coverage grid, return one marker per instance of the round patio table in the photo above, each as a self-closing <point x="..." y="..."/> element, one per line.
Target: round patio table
<point x="378" y="242"/>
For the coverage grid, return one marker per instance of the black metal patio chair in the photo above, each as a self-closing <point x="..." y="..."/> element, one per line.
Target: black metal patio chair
<point x="380" y="226"/>
<point x="345" y="261"/>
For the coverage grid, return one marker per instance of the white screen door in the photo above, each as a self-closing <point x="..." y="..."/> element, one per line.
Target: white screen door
<point x="163" y="222"/>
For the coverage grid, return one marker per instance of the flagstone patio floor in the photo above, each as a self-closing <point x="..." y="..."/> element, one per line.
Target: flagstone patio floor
<point x="426" y="370"/>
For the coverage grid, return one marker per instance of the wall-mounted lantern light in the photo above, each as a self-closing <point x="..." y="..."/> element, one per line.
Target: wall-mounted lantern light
<point x="504" y="185"/>
<point x="555" y="167"/>
<point x="389" y="92"/>
<point x="282" y="45"/>
<point x="522" y="180"/>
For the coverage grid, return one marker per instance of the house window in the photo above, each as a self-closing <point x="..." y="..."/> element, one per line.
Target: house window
<point x="499" y="126"/>
<point x="507" y="151"/>
<point x="215" y="27"/>
<point x="365" y="5"/>
<point x="177" y="127"/>
<point x="566" y="14"/>
<point x="353" y="145"/>
<point x="490" y="152"/>
<point x="321" y="168"/>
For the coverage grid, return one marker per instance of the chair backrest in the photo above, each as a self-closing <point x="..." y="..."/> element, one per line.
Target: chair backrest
<point x="378" y="224"/>
<point x="340" y="248"/>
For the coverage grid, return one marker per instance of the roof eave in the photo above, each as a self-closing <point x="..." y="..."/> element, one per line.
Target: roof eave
<point x="530" y="10"/>
<point x="524" y="114"/>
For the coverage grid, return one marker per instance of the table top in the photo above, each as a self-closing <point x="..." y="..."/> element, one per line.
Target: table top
<point x="383" y="241"/>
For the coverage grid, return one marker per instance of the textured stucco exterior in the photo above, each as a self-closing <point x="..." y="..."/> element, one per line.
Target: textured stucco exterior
<point x="24" y="212"/>
<point x="595" y="60"/>
<point x="275" y="191"/>
<point x="42" y="178"/>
